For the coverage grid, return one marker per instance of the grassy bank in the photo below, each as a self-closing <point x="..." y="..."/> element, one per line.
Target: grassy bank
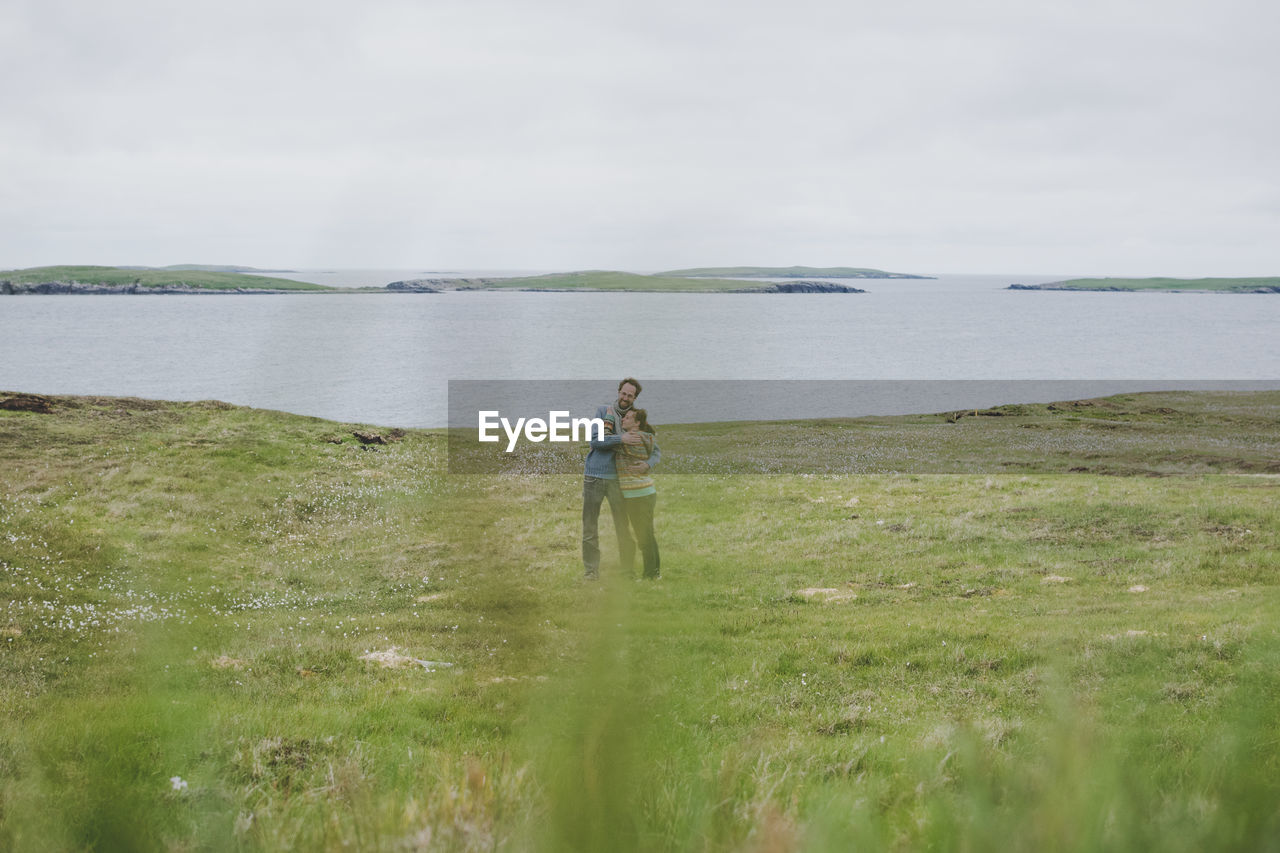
<point x="968" y="661"/>
<point x="1168" y="285"/>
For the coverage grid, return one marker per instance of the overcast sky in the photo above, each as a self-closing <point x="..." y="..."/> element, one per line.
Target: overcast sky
<point x="1136" y="137"/>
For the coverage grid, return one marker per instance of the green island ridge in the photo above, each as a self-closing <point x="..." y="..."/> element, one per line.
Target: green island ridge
<point x="788" y="272"/>
<point x="204" y="278"/>
<point x="1161" y="285"/>
<point x="206" y="268"/>
<point x="606" y="280"/>
<point x="97" y="279"/>
<point x="1051" y="627"/>
<point x="613" y="280"/>
<point x="197" y="278"/>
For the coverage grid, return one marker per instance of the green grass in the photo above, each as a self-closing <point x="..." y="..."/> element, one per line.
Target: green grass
<point x="1026" y="660"/>
<point x="1223" y="285"/>
<point x="204" y="279"/>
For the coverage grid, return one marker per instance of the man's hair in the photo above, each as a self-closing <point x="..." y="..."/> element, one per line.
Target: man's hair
<point x="630" y="381"/>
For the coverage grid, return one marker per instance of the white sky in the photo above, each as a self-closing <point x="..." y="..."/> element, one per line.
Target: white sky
<point x="1118" y="137"/>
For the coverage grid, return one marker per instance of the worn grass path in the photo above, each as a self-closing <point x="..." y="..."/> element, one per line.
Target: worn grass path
<point x="995" y="658"/>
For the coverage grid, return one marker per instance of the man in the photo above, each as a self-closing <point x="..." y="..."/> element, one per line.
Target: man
<point x="600" y="482"/>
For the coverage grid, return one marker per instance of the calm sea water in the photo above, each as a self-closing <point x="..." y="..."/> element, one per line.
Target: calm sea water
<point x="386" y="359"/>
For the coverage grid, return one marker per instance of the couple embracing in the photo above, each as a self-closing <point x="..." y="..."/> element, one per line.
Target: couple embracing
<point x="617" y="470"/>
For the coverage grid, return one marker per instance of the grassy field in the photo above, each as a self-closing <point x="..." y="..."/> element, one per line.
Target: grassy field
<point x="1171" y="285"/>
<point x="1005" y="657"/>
<point x="203" y="279"/>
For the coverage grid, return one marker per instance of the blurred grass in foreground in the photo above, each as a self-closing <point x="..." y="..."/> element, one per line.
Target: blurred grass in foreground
<point x="832" y="661"/>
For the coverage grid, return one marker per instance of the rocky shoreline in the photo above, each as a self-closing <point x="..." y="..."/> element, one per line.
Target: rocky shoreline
<point x="440" y="285"/>
<point x="802" y="287"/>
<point x="10" y="288"/>
<point x="418" y="285"/>
<point x="1069" y="289"/>
<point x="1117" y="289"/>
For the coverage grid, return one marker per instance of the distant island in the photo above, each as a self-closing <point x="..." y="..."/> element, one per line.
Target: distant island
<point x="788" y="272"/>
<point x="141" y="280"/>
<point x="209" y="279"/>
<point x="1161" y="285"/>
<point x="612" y="280"/>
<point x="205" y="268"/>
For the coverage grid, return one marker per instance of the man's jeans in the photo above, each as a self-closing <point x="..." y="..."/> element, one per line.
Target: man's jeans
<point x="594" y="491"/>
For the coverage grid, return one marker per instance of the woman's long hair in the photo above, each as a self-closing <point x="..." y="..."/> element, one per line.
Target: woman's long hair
<point x="642" y="421"/>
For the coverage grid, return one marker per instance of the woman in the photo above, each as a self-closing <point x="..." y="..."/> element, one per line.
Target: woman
<point x="638" y="492"/>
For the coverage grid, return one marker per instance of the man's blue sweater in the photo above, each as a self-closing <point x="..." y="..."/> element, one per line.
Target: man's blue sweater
<point x="600" y="460"/>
